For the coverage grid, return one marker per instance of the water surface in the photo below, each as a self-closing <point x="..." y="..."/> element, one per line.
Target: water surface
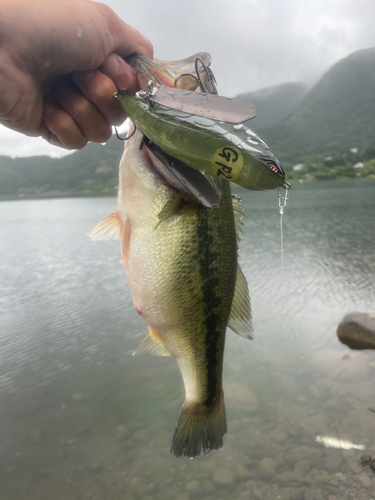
<point x="80" y="418"/>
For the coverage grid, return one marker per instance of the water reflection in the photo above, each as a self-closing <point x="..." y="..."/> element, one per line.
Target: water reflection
<point x="81" y="418"/>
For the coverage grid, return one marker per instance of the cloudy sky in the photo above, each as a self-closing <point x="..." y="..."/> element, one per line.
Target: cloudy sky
<point x="254" y="43"/>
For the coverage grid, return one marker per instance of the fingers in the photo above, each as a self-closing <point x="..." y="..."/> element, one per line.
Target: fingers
<point x="100" y="90"/>
<point x="120" y="72"/>
<point x="75" y="120"/>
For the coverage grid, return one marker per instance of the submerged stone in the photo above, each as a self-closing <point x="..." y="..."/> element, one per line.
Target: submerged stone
<point x="357" y="331"/>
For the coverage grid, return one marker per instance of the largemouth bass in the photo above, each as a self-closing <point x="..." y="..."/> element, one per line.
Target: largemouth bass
<point x="180" y="260"/>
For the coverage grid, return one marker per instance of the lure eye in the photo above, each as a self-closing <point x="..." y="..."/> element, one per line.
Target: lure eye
<point x="275" y="168"/>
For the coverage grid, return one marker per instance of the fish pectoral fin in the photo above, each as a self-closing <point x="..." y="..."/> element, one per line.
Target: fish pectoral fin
<point x="108" y="229"/>
<point x="172" y="207"/>
<point x="240" y="320"/>
<point x="239" y="212"/>
<point x="152" y="345"/>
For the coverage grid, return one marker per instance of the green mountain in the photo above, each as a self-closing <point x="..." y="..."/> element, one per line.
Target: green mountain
<point x="337" y="114"/>
<point x="274" y="104"/>
<point x="93" y="169"/>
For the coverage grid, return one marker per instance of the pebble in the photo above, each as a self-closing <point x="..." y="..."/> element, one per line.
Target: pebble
<point x="365" y="480"/>
<point x="223" y="477"/>
<point x="77" y="396"/>
<point x="240" y="397"/>
<point x="183" y="496"/>
<point x="304" y="465"/>
<point x="241" y="472"/>
<point x="313" y="425"/>
<point x="194" y="488"/>
<point x="279" y="435"/>
<point x="140" y="435"/>
<point x="121" y="432"/>
<point x="314" y="495"/>
<point x="35" y="436"/>
<point x="313" y="455"/>
<point x="332" y="497"/>
<point x="290" y="478"/>
<point x="245" y="495"/>
<point x="147" y="498"/>
<point x="351" y="368"/>
<point x="267" y="468"/>
<point x="208" y="487"/>
<point x="128" y="496"/>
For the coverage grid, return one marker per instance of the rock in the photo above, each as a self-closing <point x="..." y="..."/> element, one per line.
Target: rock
<point x="35" y="435"/>
<point x="147" y="498"/>
<point x="332" y="497"/>
<point x="128" y="496"/>
<point x="121" y="432"/>
<point x="342" y="367"/>
<point x="279" y="435"/>
<point x="245" y="495"/>
<point x="290" y="478"/>
<point x="357" y="425"/>
<point x="313" y="455"/>
<point x="357" y="331"/>
<point x="241" y="472"/>
<point x="77" y="396"/>
<point x="140" y="435"/>
<point x="365" y="480"/>
<point x="194" y="488"/>
<point x="304" y="465"/>
<point x="267" y="468"/>
<point x="313" y="425"/>
<point x="223" y="477"/>
<point x="208" y="487"/>
<point x="365" y="460"/>
<point x="239" y="397"/>
<point x="183" y="496"/>
<point x="314" y="495"/>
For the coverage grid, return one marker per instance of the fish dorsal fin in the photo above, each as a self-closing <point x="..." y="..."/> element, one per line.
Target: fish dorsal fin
<point x="240" y="320"/>
<point x="108" y="229"/>
<point x="152" y="345"/>
<point x="239" y="212"/>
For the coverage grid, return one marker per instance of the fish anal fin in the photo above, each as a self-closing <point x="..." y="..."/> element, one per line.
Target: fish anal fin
<point x="152" y="345"/>
<point x="240" y="320"/>
<point x="109" y="229"/>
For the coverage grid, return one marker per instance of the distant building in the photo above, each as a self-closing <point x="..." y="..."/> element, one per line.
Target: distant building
<point x="297" y="167"/>
<point x="358" y="165"/>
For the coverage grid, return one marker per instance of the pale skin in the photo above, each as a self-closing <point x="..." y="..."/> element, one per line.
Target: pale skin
<point x="61" y="62"/>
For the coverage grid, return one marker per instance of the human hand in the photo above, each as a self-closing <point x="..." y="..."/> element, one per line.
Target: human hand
<point x="60" y="64"/>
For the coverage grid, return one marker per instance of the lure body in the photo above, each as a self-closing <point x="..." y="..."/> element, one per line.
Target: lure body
<point x="228" y="151"/>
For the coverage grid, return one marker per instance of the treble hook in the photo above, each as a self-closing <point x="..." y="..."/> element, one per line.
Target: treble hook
<point x="198" y="78"/>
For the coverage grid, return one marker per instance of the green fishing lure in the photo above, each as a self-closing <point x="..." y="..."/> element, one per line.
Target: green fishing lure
<point x="180" y="122"/>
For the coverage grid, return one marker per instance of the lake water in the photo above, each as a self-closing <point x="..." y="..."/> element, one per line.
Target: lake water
<point x="80" y="418"/>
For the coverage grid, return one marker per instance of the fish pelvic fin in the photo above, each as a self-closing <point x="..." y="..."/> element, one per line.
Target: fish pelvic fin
<point x="199" y="428"/>
<point x="240" y="320"/>
<point x="152" y="345"/>
<point x="108" y="229"/>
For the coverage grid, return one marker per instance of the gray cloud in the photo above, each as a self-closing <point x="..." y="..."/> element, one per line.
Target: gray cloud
<point x="254" y="43"/>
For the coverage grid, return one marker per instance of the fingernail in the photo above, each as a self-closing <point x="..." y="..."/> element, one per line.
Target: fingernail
<point x="48" y="109"/>
<point x="113" y="64"/>
<point x="84" y="76"/>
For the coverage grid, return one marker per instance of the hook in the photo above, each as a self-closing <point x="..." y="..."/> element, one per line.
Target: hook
<point x="129" y="136"/>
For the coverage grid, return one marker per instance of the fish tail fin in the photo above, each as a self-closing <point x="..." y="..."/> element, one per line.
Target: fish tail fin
<point x="199" y="428"/>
